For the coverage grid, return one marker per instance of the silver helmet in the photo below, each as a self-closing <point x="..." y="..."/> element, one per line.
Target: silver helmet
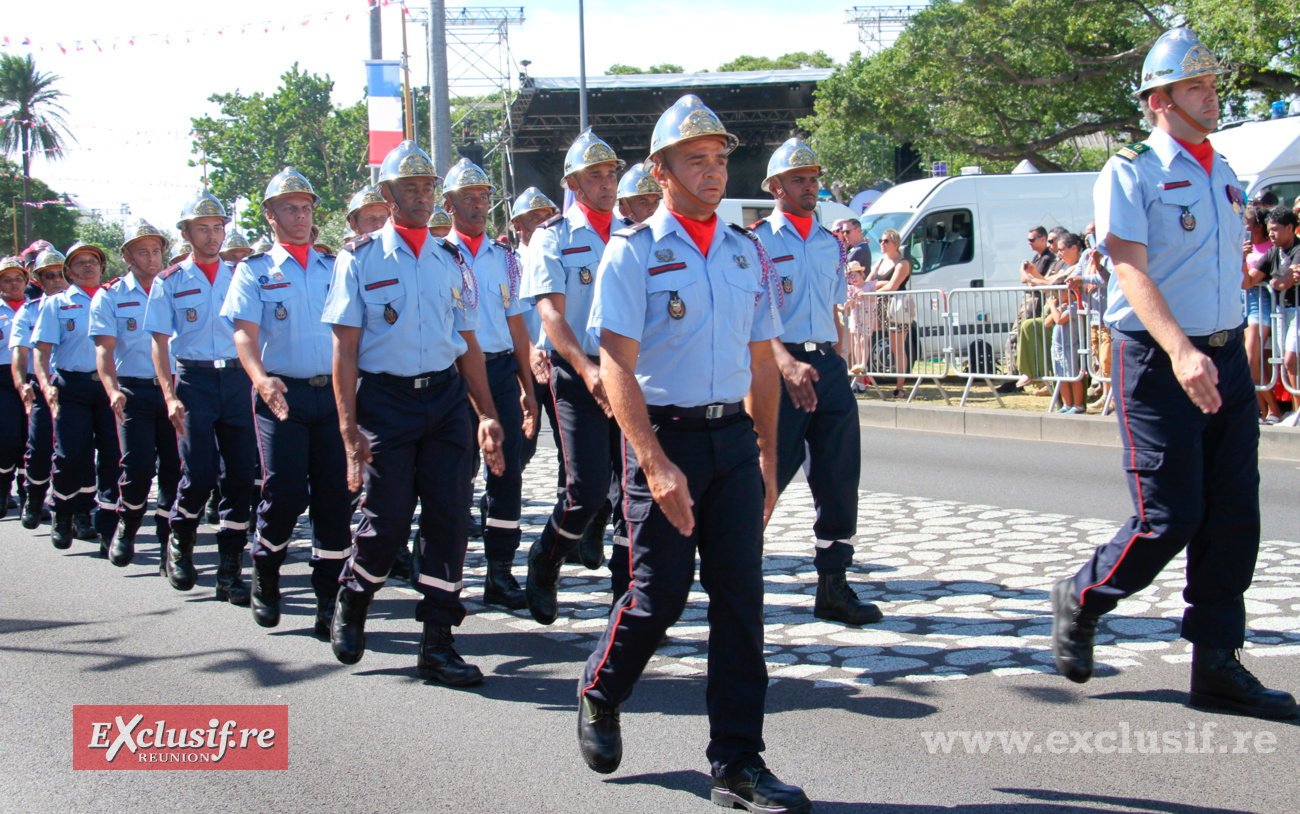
<point x="81" y="246"/>
<point x="687" y="119"/>
<point x="1178" y="54"/>
<point x="794" y="154"/>
<point x="141" y="230"/>
<point x="466" y="173"/>
<point x="638" y="181"/>
<point x="235" y="240"/>
<point x="203" y="204"/>
<point x="262" y="245"/>
<point x="49" y="258"/>
<point x="407" y="160"/>
<point x="180" y="251"/>
<point x="286" y="182"/>
<point x="365" y="196"/>
<point x="439" y="218"/>
<point x="588" y="150"/>
<point x="12" y="263"/>
<point x="529" y="200"/>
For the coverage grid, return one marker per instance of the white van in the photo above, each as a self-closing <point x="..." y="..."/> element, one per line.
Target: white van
<point x="969" y="231"/>
<point x="1265" y="155"/>
<point x="748" y="211"/>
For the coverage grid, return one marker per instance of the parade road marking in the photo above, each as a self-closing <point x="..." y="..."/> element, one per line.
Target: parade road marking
<point x="195" y="736"/>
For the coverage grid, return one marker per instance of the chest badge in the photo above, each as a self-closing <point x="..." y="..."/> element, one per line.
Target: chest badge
<point x="1236" y="197"/>
<point x="72" y="325"/>
<point x="130" y="323"/>
<point x="665" y="256"/>
<point x="787" y="285"/>
<point x="191" y="315"/>
<point x="455" y="295"/>
<point x="505" y="296"/>
<point x="390" y="316"/>
<point x="280" y="311"/>
<point x="585" y="276"/>
<point x="676" y="308"/>
<point x="741" y="260"/>
<point x="1187" y="219"/>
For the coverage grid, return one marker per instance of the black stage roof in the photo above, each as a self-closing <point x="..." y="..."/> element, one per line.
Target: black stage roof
<point x="760" y="107"/>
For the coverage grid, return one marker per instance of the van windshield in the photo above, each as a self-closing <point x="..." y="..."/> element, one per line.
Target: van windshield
<point x="874" y="226"/>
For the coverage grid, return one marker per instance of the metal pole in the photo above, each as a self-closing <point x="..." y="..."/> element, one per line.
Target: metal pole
<point x="582" y="72"/>
<point x="376" y="32"/>
<point x="440" y="115"/>
<point x="409" y="124"/>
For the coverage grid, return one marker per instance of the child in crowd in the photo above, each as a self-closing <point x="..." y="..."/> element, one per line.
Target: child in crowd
<point x="1063" y="319"/>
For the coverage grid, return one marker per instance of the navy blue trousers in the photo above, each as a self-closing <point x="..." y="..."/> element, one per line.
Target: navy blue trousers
<point x="149" y="447"/>
<point x="219" y="444"/>
<point x="546" y="400"/>
<point x="13" y="432"/>
<point x="40" y="445"/>
<point x="827" y="444"/>
<point x="420" y="446"/>
<point x="85" y="440"/>
<point x="720" y="461"/>
<point x="304" y="467"/>
<point x="1194" y="479"/>
<point x="502" y="496"/>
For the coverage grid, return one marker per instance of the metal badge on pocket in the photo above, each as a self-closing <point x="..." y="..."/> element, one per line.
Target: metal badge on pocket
<point x="787" y="285"/>
<point x="280" y="311"/>
<point x="390" y="316"/>
<point x="676" y="308"/>
<point x="585" y="276"/>
<point x="130" y="323"/>
<point x="191" y="315"/>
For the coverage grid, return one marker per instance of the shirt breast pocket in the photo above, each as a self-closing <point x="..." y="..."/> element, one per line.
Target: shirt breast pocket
<point x="189" y="309"/>
<point x="1177" y="215"/>
<point x="276" y="302"/>
<point x="676" y="303"/>
<point x="385" y="304"/>
<point x="579" y="273"/>
<point x="130" y="320"/>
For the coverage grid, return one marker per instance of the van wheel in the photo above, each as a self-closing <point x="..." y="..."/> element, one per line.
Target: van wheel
<point x="882" y="353"/>
<point x="980" y="358"/>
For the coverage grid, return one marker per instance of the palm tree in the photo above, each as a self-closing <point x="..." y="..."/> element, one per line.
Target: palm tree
<point x="31" y="119"/>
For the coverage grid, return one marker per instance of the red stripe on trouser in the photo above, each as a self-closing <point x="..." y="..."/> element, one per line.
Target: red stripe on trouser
<point x="564" y="453"/>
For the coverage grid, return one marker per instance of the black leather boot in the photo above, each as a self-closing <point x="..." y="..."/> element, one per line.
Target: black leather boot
<point x="837" y="602"/>
<point x="591" y="548"/>
<point x="500" y="587"/>
<point x="348" y="630"/>
<point x="211" y="514"/>
<point x="31" y="517"/>
<point x="61" y="532"/>
<point x="755" y="789"/>
<point x="475" y="528"/>
<point x="439" y="661"/>
<point x="230" y="588"/>
<point x="1221" y="681"/>
<point x="600" y="735"/>
<point x="84" y="527"/>
<point x="265" y="597"/>
<point x="325" y="607"/>
<point x="123" y="550"/>
<point x="543" y="583"/>
<point x="105" y="542"/>
<point x="179" y="563"/>
<point x="1072" y="634"/>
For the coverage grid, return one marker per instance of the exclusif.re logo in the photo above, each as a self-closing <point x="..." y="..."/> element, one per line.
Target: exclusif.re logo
<point x="180" y="737"/>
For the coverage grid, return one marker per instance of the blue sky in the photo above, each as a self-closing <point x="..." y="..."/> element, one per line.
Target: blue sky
<point x="130" y="106"/>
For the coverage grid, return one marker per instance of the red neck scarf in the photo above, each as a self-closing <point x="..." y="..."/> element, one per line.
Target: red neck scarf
<point x="209" y="270"/>
<point x="90" y="290"/>
<point x="803" y="223"/>
<point x="1203" y="153"/>
<point x="599" y="220"/>
<point x="16" y="304"/>
<point x="701" y="231"/>
<point x="414" y="237"/>
<point x="471" y="243"/>
<point x="298" y="253"/>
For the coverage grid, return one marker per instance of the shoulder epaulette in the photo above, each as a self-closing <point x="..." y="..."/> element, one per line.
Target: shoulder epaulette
<point x="749" y="233"/>
<point x="756" y="224"/>
<point x="627" y="221"/>
<point x="628" y="231"/>
<point x="114" y="281"/>
<point x="446" y="244"/>
<point x="1133" y="151"/>
<point x="327" y="255"/>
<point x="357" y="242"/>
<point x="551" y="221"/>
<point x="167" y="272"/>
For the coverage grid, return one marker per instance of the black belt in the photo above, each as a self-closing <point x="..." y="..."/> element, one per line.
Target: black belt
<point x="497" y="354"/>
<point x="218" y="364"/>
<point x="137" y="381"/>
<point x="710" y="411"/>
<point x="315" y="381"/>
<point x="78" y="375"/>
<point x="808" y="347"/>
<point x="422" y="382"/>
<point x="1214" y="340"/>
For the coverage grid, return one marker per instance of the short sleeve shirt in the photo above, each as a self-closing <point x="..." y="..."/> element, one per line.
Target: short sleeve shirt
<point x="563" y="258"/>
<point x="184" y="306"/>
<point x="64" y="322"/>
<point x="118" y="311"/>
<point x="810" y="274"/>
<point x="286" y="302"/>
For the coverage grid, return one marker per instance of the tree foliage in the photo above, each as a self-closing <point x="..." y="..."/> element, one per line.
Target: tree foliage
<point x="791" y="61"/>
<point x="31" y="119"/>
<point x="55" y="223"/>
<point x="108" y="235"/>
<point x="618" y="69"/>
<point x="257" y="135"/>
<point x="994" y="82"/>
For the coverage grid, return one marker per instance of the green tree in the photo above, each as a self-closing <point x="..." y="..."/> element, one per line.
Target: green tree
<point x="257" y="135"/>
<point x="619" y="69"/>
<point x="31" y="119"/>
<point x="994" y="82"/>
<point x="56" y="223"/>
<point x="107" y="235"/>
<point x="797" y="59"/>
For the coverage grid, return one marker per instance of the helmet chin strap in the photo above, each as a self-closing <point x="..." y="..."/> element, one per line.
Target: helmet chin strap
<point x="691" y="196"/>
<point x="1175" y="108"/>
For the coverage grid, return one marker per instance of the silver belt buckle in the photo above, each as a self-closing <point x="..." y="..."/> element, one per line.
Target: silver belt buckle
<point x="1218" y="340"/>
<point x="94" y="377"/>
<point x="420" y="383"/>
<point x="714" y="410"/>
<point x="222" y="364"/>
<point x="318" y="381"/>
<point x="810" y="346"/>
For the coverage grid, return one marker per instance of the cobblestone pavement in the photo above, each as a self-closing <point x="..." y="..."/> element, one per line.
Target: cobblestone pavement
<point x="964" y="589"/>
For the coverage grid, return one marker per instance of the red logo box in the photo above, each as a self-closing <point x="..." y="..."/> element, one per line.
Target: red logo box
<point x="180" y="737"/>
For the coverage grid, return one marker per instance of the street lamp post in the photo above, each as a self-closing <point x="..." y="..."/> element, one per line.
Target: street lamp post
<point x="582" y="72"/>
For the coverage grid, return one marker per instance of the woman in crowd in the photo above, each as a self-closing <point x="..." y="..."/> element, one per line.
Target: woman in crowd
<point x="1259" y="307"/>
<point x="891" y="273"/>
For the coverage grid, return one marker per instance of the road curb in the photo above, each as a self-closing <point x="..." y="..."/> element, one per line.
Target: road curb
<point x="1275" y="443"/>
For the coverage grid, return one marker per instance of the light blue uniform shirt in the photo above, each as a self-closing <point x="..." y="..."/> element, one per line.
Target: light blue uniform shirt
<point x="186" y="307"/>
<point x="411" y="310"/>
<point x="286" y="302"/>
<point x="20" y="332"/>
<point x="563" y="259"/>
<point x="703" y="357"/>
<point x="498" y="291"/>
<point x="811" y="276"/>
<point x="1198" y="270"/>
<point x="8" y="319"/>
<point x="64" y="322"/>
<point x="118" y="311"/>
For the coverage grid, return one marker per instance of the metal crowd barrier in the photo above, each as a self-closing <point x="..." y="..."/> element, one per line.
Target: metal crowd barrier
<point x="897" y="337"/>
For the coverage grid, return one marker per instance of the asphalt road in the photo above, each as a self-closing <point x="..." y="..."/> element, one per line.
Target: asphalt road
<point x="861" y="737"/>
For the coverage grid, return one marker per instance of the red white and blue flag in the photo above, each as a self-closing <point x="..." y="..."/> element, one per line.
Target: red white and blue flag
<point x="384" y="90"/>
